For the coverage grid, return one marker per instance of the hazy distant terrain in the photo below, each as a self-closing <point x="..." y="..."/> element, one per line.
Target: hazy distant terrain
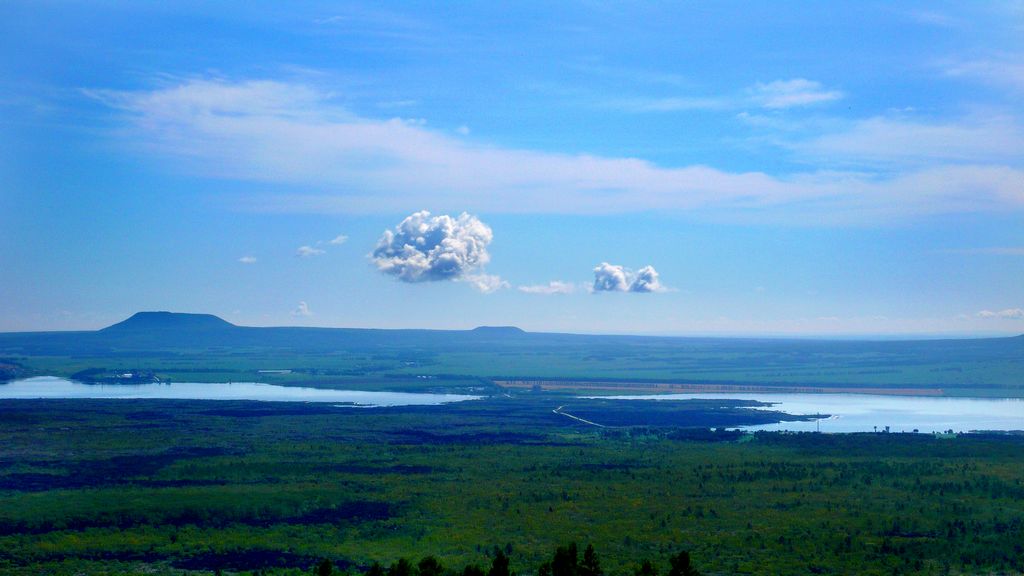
<point x="204" y="348"/>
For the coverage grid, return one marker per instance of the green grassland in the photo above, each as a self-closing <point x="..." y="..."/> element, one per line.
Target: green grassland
<point x="165" y="487"/>
<point x="179" y="349"/>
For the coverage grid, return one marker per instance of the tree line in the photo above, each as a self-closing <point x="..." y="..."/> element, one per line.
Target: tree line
<point x="565" y="561"/>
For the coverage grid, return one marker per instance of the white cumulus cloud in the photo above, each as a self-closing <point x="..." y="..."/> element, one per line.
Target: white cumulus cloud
<point x="646" y="280"/>
<point x="615" y="278"/>
<point x="610" y="278"/>
<point x="425" y="248"/>
<point x="338" y="240"/>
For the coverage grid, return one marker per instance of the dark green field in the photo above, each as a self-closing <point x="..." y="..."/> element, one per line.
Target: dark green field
<point x="161" y="487"/>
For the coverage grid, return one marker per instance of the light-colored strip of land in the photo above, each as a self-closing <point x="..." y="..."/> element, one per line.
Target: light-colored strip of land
<point x="673" y="388"/>
<point x="577" y="418"/>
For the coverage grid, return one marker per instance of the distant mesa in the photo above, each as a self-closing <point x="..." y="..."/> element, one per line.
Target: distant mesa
<point x="168" y="321"/>
<point x="499" y="330"/>
<point x="183" y="323"/>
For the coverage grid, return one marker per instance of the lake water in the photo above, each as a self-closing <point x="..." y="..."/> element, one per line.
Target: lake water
<point x="848" y="412"/>
<point x="869" y="412"/>
<point x="50" y="387"/>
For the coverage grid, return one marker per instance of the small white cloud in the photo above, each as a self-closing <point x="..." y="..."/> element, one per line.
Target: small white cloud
<point x="247" y="259"/>
<point x="425" y="248"/>
<point x="792" y="93"/>
<point x="610" y="278"/>
<point x="485" y="283"/>
<point x="301" y="311"/>
<point x="615" y="278"/>
<point x="1009" y="314"/>
<point x="646" y="280"/>
<point x="463" y="130"/>
<point x="308" y="252"/>
<point x="339" y="239"/>
<point x="553" y="287"/>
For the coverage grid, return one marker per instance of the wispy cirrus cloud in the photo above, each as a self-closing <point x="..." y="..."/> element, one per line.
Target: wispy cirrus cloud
<point x="671" y="104"/>
<point x="774" y="95"/>
<point x="553" y="287"/>
<point x="308" y="251"/>
<point x="989" y="250"/>
<point x="247" y="260"/>
<point x="359" y="21"/>
<point x="485" y="283"/>
<point x="934" y="18"/>
<point x="280" y="132"/>
<point x="1007" y="314"/>
<point x="979" y="140"/>
<point x="792" y="93"/>
<point x="1006" y="71"/>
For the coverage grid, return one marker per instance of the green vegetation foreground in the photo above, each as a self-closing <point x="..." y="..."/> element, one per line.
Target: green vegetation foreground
<point x="565" y="562"/>
<point x="164" y="487"/>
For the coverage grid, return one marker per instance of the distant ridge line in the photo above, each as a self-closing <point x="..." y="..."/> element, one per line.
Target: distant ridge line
<point x="163" y="320"/>
<point x="184" y="322"/>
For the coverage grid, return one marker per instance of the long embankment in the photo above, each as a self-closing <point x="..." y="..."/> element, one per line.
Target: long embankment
<point x="676" y="388"/>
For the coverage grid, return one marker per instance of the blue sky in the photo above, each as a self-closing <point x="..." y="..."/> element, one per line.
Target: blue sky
<point x="796" y="168"/>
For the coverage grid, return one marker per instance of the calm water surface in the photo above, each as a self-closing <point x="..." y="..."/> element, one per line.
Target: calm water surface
<point x="50" y="387"/>
<point x="847" y="412"/>
<point x="869" y="412"/>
